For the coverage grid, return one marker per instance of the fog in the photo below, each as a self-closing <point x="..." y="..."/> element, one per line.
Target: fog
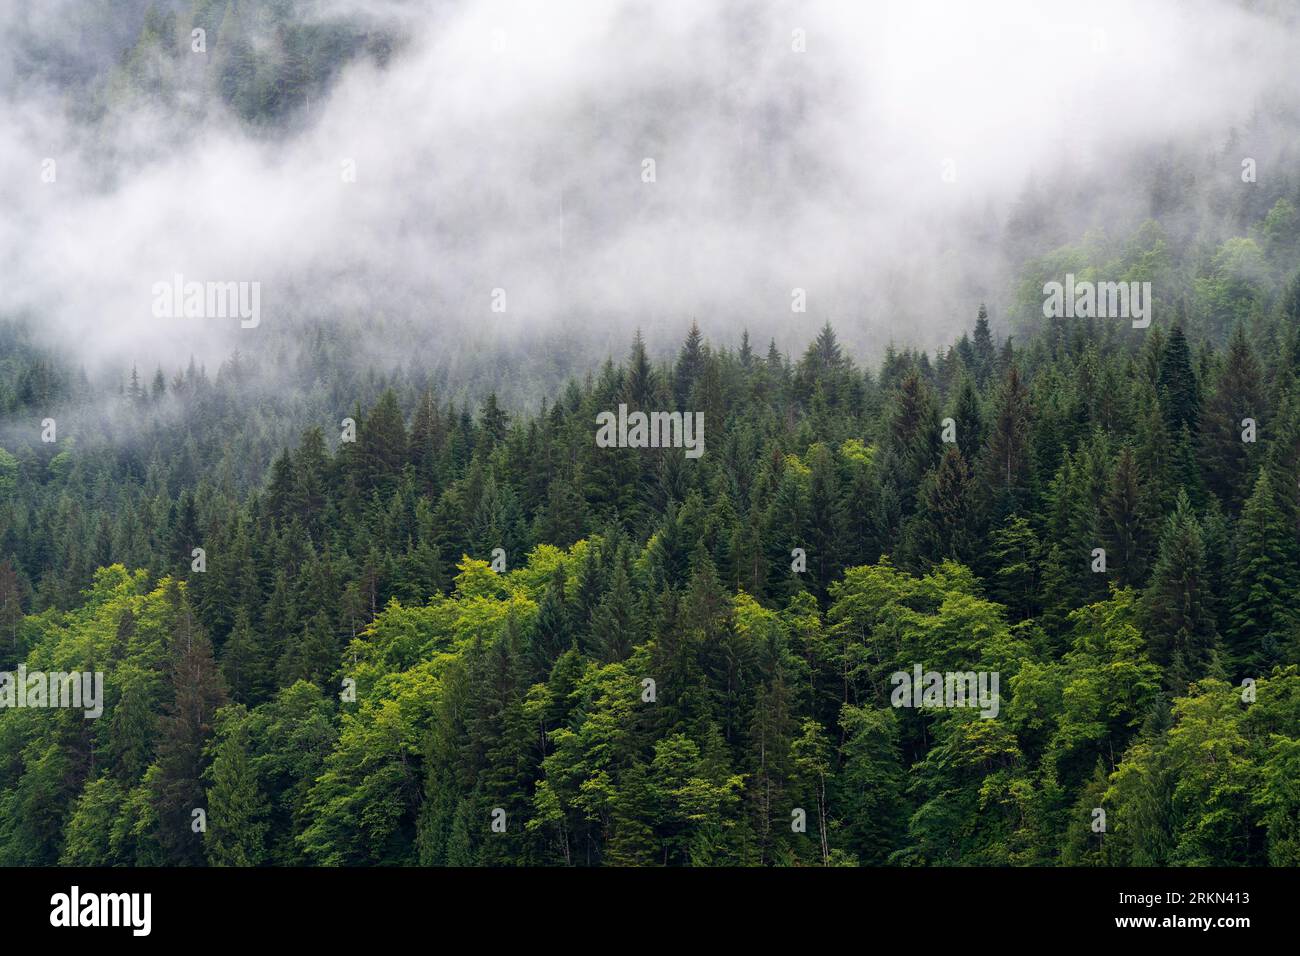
<point x="502" y="146"/>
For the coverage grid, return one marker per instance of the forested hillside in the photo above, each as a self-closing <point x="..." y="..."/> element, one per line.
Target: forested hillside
<point x="371" y="590"/>
<point x="261" y="59"/>
<point x="646" y="672"/>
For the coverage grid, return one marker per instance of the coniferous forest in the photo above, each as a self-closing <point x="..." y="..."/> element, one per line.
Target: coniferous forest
<point x="388" y="613"/>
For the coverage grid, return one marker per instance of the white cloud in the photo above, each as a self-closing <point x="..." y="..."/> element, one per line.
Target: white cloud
<point x="502" y="147"/>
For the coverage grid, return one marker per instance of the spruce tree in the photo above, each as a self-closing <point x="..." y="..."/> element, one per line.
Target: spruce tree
<point x="1127" y="519"/>
<point x="1180" y="628"/>
<point x="1262" y="612"/>
<point x="982" y="347"/>
<point x="1005" y="464"/>
<point x="243" y="662"/>
<point x="236" y="807"/>
<point x="176" y="787"/>
<point x="1179" y="395"/>
<point x="690" y="364"/>
<point x="1226" y="457"/>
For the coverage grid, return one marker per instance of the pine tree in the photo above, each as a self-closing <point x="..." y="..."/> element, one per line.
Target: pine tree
<point x="968" y="418"/>
<point x="1262" y="611"/>
<point x="943" y="524"/>
<point x="1085" y="846"/>
<point x="913" y="431"/>
<point x="825" y="521"/>
<point x="185" y="534"/>
<point x="427" y="440"/>
<point x="381" y="445"/>
<point x="984" y="354"/>
<point x="460" y="849"/>
<point x="236" y="808"/>
<point x="771" y="732"/>
<point x="554" y="632"/>
<point x="493" y="422"/>
<point x="639" y="389"/>
<point x="312" y="655"/>
<point x="176" y="788"/>
<point x="1127" y="520"/>
<point x="1154" y="457"/>
<point x="1180" y="628"/>
<point x="282" y="501"/>
<point x="1179" y="394"/>
<point x="690" y="364"/>
<point x="823" y="368"/>
<point x="746" y="353"/>
<point x="615" y="625"/>
<point x="243" y="662"/>
<point x="1005" y="465"/>
<point x="1226" y="457"/>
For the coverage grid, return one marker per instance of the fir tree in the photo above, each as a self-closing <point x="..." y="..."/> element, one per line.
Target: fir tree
<point x="1262" y="614"/>
<point x="1180" y="628"/>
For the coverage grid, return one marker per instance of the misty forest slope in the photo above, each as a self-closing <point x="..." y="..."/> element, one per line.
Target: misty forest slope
<point x="473" y="636"/>
<point x="522" y="691"/>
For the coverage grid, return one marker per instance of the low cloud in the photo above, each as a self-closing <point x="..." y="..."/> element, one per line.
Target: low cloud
<point x="502" y="146"/>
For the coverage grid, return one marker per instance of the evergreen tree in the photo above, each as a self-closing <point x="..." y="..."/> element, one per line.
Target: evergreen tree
<point x="615" y="625"/>
<point x="381" y="445"/>
<point x="1262" y="616"/>
<point x="175" y="780"/>
<point x="1180" y="629"/>
<point x="236" y="828"/>
<point x="243" y="662"/>
<point x="1005" y="464"/>
<point x="1179" y="392"/>
<point x="1127" y="520"/>
<point x="690" y="365"/>
<point x="982" y="348"/>
<point x="1236" y="397"/>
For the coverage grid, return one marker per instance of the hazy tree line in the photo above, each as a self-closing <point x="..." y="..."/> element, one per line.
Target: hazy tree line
<point x="332" y="564"/>
<point x="262" y="60"/>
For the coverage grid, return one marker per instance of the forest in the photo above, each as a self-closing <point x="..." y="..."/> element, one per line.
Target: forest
<point x="396" y="642"/>
<point x="357" y="611"/>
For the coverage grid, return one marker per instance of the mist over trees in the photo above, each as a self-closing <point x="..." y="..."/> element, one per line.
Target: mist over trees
<point x="381" y="168"/>
<point x="330" y="562"/>
<point x="366" y="590"/>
